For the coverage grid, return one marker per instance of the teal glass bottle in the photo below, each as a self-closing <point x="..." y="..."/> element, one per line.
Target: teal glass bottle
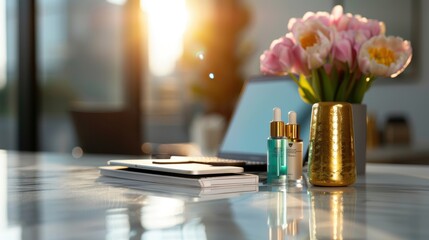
<point x="276" y="150"/>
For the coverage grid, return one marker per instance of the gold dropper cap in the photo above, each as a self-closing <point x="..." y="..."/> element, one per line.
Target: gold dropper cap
<point x="292" y="131"/>
<point x="292" y="128"/>
<point x="277" y="129"/>
<point x="277" y="125"/>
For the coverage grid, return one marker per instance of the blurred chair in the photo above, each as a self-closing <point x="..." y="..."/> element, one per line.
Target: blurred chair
<point x="108" y="131"/>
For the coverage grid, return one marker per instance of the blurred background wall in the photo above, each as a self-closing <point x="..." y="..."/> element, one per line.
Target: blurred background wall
<point x="82" y="62"/>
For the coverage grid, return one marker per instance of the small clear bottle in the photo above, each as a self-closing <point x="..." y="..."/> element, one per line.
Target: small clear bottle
<point x="276" y="153"/>
<point x="294" y="150"/>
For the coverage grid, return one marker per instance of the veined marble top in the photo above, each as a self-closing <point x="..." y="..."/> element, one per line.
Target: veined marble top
<point x="54" y="196"/>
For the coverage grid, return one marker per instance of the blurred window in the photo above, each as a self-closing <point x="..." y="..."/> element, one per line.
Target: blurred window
<point x="80" y="63"/>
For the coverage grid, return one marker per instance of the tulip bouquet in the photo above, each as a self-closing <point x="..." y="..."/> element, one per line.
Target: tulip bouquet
<point x="335" y="56"/>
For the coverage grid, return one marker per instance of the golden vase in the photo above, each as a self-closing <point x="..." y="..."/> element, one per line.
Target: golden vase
<point x="331" y="149"/>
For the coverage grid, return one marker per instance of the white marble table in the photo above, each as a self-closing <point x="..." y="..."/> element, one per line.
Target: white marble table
<point x="51" y="196"/>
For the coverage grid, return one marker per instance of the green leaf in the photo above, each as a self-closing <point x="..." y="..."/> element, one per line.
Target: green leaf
<point x="328" y="85"/>
<point x="307" y="90"/>
<point x="304" y="89"/>
<point x="306" y="96"/>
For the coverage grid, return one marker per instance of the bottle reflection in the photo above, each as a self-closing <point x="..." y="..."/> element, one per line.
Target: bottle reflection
<point x="286" y="213"/>
<point x="332" y="213"/>
<point x="277" y="213"/>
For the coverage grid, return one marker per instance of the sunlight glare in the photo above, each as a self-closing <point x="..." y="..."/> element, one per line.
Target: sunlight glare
<point x="167" y="20"/>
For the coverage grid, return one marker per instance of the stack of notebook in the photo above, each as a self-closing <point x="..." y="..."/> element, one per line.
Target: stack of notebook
<point x="184" y="174"/>
<point x="186" y="193"/>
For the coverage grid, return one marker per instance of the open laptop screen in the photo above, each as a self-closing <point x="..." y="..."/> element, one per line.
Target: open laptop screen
<point x="247" y="133"/>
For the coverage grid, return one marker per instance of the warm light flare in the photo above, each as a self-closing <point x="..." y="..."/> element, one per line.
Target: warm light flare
<point x="167" y="22"/>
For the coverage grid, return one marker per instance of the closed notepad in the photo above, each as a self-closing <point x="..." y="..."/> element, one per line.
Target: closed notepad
<point x="212" y="180"/>
<point x="186" y="193"/>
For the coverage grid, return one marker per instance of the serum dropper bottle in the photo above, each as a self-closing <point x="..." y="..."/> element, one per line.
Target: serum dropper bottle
<point x="294" y="150"/>
<point x="276" y="152"/>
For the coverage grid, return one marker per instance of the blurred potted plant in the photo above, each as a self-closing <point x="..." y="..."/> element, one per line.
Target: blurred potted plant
<point x="212" y="52"/>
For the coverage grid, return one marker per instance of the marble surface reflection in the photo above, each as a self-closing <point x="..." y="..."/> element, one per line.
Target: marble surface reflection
<point x="332" y="213"/>
<point x="54" y="196"/>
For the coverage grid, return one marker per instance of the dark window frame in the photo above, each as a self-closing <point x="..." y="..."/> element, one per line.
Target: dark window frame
<point x="28" y="91"/>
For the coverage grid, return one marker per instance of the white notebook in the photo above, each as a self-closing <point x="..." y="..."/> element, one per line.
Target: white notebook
<point x="187" y="193"/>
<point x="204" y="181"/>
<point x="188" y="168"/>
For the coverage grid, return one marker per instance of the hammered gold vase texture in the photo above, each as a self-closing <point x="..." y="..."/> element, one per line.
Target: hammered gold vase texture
<point x="331" y="148"/>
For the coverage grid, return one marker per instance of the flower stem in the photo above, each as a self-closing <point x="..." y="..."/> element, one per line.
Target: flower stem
<point x="341" y="92"/>
<point x="351" y="89"/>
<point x="315" y="83"/>
<point x="360" y="89"/>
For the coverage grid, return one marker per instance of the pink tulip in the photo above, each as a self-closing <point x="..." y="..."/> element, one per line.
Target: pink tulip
<point x="385" y="56"/>
<point x="340" y="20"/>
<point x="283" y="48"/>
<point x="342" y="48"/>
<point x="315" y="39"/>
<point x="300" y="65"/>
<point x="269" y="63"/>
<point x="322" y="17"/>
<point x="359" y="38"/>
<point x="369" y="27"/>
<point x="279" y="58"/>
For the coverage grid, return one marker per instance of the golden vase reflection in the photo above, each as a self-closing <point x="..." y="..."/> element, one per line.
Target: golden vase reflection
<point x="332" y="213"/>
<point x="331" y="148"/>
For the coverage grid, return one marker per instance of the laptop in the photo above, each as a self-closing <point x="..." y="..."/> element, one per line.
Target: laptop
<point x="246" y="136"/>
